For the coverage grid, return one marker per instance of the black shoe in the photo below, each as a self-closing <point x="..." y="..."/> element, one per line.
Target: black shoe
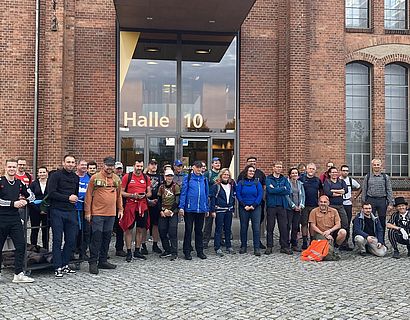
<point x="242" y="250"/>
<point x="268" y="251"/>
<point x="286" y="250"/>
<point x="165" y="254"/>
<point x="201" y="256"/>
<point x="304" y="246"/>
<point x="188" y="256"/>
<point x="139" y="255"/>
<point x="174" y="257"/>
<point x="257" y="253"/>
<point x="262" y="246"/>
<point x="156" y="249"/>
<point x="129" y="257"/>
<point x="396" y="254"/>
<point x="206" y="245"/>
<point x="68" y="270"/>
<point x="144" y="249"/>
<point x="120" y="253"/>
<point x="93" y="268"/>
<point x="106" y="265"/>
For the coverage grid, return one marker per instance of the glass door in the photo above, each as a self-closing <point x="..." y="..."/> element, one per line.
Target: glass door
<point x="194" y="149"/>
<point x="162" y="149"/>
<point x="132" y="149"/>
<point x="224" y="150"/>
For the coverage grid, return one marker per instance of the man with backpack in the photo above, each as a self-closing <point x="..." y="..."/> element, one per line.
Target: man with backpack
<point x="377" y="190"/>
<point x="136" y="187"/>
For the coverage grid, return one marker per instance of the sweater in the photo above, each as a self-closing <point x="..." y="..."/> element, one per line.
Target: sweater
<point x="277" y="191"/>
<point x="249" y="192"/>
<point x="61" y="185"/>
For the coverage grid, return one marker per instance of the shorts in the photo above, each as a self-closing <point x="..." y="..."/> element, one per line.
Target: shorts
<point x="140" y="221"/>
<point x="154" y="215"/>
<point x="304" y="219"/>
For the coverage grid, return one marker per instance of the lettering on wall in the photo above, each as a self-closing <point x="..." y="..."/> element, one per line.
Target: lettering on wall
<point x="153" y="120"/>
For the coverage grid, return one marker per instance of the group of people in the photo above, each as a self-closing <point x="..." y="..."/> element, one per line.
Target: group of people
<point x="84" y="206"/>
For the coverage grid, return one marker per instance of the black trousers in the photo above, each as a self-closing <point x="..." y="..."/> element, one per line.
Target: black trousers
<point x="119" y="235"/>
<point x="280" y="214"/>
<point x="168" y="232"/>
<point x="83" y="236"/>
<point x="349" y="210"/>
<point x="193" y="219"/>
<point x="379" y="208"/>
<point x="293" y="226"/>
<point x="13" y="228"/>
<point x="209" y="222"/>
<point x="37" y="219"/>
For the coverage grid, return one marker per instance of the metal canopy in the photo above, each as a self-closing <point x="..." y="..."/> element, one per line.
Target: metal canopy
<point x="183" y="15"/>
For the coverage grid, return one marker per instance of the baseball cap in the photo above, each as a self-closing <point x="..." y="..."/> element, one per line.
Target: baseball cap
<point x="178" y="163"/>
<point x="109" y="161"/>
<point x="168" y="172"/>
<point x="216" y="159"/>
<point x="118" y="164"/>
<point x="153" y="161"/>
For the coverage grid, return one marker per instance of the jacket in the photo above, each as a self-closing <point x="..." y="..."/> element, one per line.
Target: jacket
<point x="60" y="186"/>
<point x="218" y="201"/>
<point x="277" y="190"/>
<point x="194" y="194"/>
<point x="301" y="189"/>
<point x="358" y="227"/>
<point x="249" y="192"/>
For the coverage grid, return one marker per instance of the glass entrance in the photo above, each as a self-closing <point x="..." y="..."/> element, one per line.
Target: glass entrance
<point x="194" y="149"/>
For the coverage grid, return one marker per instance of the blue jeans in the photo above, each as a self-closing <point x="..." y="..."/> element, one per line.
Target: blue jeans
<point x="101" y="231"/>
<point x="223" y="221"/>
<point x="255" y="217"/>
<point x="63" y="223"/>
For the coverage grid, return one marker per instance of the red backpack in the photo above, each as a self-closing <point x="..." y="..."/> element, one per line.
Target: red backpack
<point x="317" y="251"/>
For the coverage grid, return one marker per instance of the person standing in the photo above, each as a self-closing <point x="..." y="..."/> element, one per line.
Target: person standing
<point x="277" y="191"/>
<point x="325" y="174"/>
<point x="14" y="195"/>
<point x="103" y="201"/>
<point x="179" y="174"/>
<point x="63" y="188"/>
<point x="119" y="233"/>
<point x="212" y="176"/>
<point x="249" y="192"/>
<point x="377" y="190"/>
<point x="193" y="206"/>
<point x="22" y="173"/>
<point x="39" y="219"/>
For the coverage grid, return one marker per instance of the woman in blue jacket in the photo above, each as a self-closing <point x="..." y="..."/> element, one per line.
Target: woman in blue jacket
<point x="249" y="192"/>
<point x="222" y="206"/>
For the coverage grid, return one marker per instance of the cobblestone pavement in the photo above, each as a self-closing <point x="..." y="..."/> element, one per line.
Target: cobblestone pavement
<point x="230" y="287"/>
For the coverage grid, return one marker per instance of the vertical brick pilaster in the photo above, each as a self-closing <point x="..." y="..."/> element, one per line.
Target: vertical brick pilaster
<point x="378" y="113"/>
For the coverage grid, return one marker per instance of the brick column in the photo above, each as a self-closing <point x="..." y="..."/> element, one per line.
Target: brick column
<point x="378" y="113"/>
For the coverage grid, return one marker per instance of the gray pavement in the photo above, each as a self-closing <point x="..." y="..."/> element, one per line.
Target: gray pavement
<point x="230" y="287"/>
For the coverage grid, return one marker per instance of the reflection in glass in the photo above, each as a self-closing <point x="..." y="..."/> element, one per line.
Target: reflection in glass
<point x="194" y="150"/>
<point x="357" y="14"/>
<point x="132" y="149"/>
<point x="358" y="118"/>
<point x="159" y="151"/>
<point x="396" y="115"/>
<point x="395" y="14"/>
<point x="224" y="150"/>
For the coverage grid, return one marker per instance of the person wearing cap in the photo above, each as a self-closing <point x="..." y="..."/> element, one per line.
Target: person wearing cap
<point x="102" y="202"/>
<point x="168" y="199"/>
<point x="119" y="233"/>
<point x="399" y="227"/>
<point x="212" y="176"/>
<point x="153" y="208"/>
<point x="193" y="206"/>
<point x="179" y="174"/>
<point x="119" y="169"/>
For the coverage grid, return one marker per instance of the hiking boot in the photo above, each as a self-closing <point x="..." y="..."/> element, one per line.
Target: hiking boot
<point x="144" y="249"/>
<point x="120" y="253"/>
<point x="257" y="252"/>
<point x="165" y="254"/>
<point x="58" y="273"/>
<point x="156" y="249"/>
<point x="261" y="245"/>
<point x="268" y="251"/>
<point x="128" y="257"/>
<point x="92" y="267"/>
<point x="219" y="253"/>
<point x="230" y="251"/>
<point x="22" y="278"/>
<point x="174" y="257"/>
<point x="68" y="270"/>
<point x="242" y="250"/>
<point x="188" y="256"/>
<point x="286" y="250"/>
<point x="107" y="265"/>
<point x="296" y="249"/>
<point x="396" y="254"/>
<point x="202" y="256"/>
<point x="139" y="255"/>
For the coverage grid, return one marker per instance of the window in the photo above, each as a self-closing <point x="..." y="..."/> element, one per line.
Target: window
<point x="395" y="14"/>
<point x="358" y="118"/>
<point x="396" y="128"/>
<point x="357" y="14"/>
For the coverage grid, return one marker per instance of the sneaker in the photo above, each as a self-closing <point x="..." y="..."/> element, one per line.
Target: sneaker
<point x="156" y="249"/>
<point x="22" y="278"/>
<point x="128" y="257"/>
<point x="139" y="255"/>
<point x="107" y="265"/>
<point x="242" y="250"/>
<point x="230" y="251"/>
<point x="68" y="270"/>
<point x="257" y="253"/>
<point x="219" y="253"/>
<point x="144" y="249"/>
<point x="286" y="250"/>
<point x="396" y="254"/>
<point x="268" y="251"/>
<point x="201" y="256"/>
<point x="92" y="267"/>
<point x="262" y="246"/>
<point x="58" y="273"/>
<point x="120" y="253"/>
<point x="174" y="257"/>
<point x="165" y="254"/>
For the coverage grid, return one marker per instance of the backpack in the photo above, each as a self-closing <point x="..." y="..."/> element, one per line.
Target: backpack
<point x="124" y="199"/>
<point x="317" y="251"/>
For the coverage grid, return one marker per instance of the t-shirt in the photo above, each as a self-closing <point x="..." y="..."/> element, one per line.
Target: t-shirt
<point x="324" y="220"/>
<point x="330" y="185"/>
<point x="25" y="178"/>
<point x="156" y="181"/>
<point x="212" y="176"/>
<point x="312" y="187"/>
<point x="82" y="189"/>
<point x="348" y="195"/>
<point x="169" y="194"/>
<point x="369" y="226"/>
<point x="136" y="185"/>
<point x="227" y="188"/>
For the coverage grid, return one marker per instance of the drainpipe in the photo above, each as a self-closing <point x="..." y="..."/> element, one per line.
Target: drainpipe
<point x="36" y="93"/>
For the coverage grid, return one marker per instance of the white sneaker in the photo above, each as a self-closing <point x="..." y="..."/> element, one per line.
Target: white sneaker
<point x="22" y="278"/>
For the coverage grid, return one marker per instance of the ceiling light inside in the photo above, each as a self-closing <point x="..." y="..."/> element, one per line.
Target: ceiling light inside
<point x="151" y="49"/>
<point x="211" y="21"/>
<point x="152" y="62"/>
<point x="196" y="65"/>
<point x="203" y="51"/>
<point x="149" y="18"/>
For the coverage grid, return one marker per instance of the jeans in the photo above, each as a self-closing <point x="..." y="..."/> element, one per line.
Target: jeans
<point x="100" y="238"/>
<point x="293" y="226"/>
<point x="168" y="232"/>
<point x="223" y="221"/>
<point x="14" y="229"/>
<point x="255" y="217"/>
<point x="379" y="208"/>
<point x="280" y="214"/>
<point x="63" y="223"/>
<point x="193" y="219"/>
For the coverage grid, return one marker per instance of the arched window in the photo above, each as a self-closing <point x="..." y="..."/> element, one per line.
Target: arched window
<point x="358" y="118"/>
<point x="397" y="120"/>
<point x="395" y="14"/>
<point x="357" y="14"/>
